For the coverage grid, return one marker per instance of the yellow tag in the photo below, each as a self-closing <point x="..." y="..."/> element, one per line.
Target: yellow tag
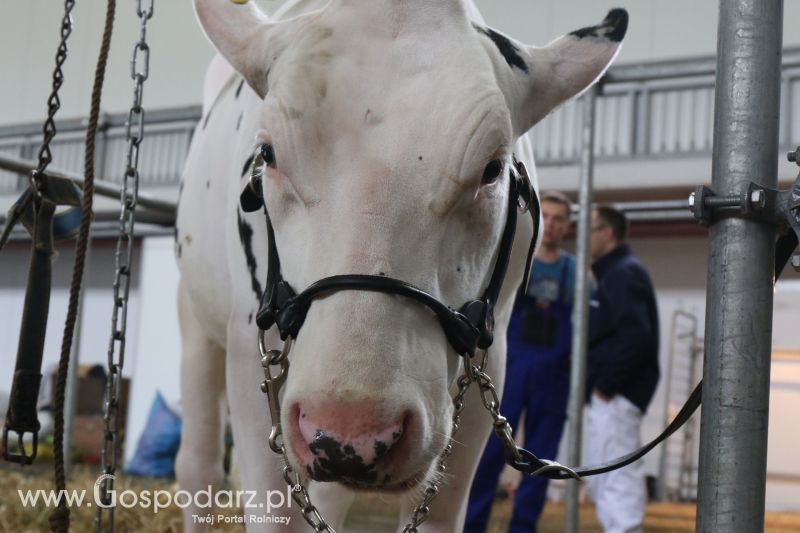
<point x="240" y="2"/>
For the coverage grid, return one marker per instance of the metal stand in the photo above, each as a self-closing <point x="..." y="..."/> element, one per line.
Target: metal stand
<point x="733" y="433"/>
<point x="580" y="312"/>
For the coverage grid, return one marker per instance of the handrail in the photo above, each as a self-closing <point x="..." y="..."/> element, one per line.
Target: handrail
<point x="103" y="188"/>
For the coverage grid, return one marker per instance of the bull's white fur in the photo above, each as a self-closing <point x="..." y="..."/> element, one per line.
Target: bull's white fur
<point x="383" y="115"/>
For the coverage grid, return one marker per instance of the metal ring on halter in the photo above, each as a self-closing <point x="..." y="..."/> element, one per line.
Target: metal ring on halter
<point x="275" y="356"/>
<point x="256" y="173"/>
<point x="469" y="369"/>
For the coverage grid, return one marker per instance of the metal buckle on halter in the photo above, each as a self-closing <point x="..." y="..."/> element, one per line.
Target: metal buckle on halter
<point x="525" y="192"/>
<point x="549" y="469"/>
<point x="251" y="198"/>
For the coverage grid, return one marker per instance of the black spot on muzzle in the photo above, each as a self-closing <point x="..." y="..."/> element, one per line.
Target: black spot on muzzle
<point x="339" y="462"/>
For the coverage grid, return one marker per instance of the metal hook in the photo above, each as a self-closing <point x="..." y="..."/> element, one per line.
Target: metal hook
<point x="553" y="466"/>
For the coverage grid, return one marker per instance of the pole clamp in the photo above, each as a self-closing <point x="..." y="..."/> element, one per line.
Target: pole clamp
<point x="755" y="202"/>
<point x="762" y="204"/>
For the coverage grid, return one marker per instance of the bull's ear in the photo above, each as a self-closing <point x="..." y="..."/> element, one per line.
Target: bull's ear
<point x="537" y="80"/>
<point x="244" y="36"/>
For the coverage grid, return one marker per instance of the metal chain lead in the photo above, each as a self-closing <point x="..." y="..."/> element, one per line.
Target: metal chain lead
<point x="134" y="130"/>
<point x="421" y="511"/>
<point x="271" y="387"/>
<point x="477" y="373"/>
<point x="502" y="429"/>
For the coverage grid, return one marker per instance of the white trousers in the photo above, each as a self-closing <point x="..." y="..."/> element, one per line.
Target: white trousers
<point x="620" y="496"/>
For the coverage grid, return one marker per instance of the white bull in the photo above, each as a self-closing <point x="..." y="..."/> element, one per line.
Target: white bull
<point x="391" y="126"/>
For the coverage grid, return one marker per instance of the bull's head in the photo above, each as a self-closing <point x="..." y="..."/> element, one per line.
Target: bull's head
<point x="387" y="130"/>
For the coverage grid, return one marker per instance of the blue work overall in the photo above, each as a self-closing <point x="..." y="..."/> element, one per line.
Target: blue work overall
<point x="537" y="382"/>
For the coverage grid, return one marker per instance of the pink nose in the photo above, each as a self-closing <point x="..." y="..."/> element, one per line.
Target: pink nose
<point x="347" y="442"/>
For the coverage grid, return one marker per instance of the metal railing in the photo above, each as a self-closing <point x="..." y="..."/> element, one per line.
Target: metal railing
<point x="644" y="111"/>
<point x="677" y="472"/>
<point x="663" y="109"/>
<point x="166" y="144"/>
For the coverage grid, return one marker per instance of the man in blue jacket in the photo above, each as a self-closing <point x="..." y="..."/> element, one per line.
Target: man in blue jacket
<point x="622" y="370"/>
<point x="537" y="373"/>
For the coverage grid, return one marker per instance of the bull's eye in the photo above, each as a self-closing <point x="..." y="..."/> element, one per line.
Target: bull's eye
<point x="268" y="154"/>
<point x="492" y="171"/>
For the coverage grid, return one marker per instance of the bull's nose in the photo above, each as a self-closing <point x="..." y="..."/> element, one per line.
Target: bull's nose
<point x="348" y="443"/>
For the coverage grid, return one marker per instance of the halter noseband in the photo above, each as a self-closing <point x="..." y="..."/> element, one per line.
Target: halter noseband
<point x="467" y="329"/>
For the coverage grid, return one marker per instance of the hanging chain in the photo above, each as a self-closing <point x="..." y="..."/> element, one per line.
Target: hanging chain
<point x="36" y="176"/>
<point x="53" y="101"/>
<point x="421" y="511"/>
<point x="271" y="387"/>
<point x="134" y="131"/>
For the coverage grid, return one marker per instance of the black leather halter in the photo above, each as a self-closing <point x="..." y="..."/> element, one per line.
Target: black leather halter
<point x="467" y="329"/>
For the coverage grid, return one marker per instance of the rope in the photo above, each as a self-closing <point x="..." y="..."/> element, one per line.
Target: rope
<point x="59" y="518"/>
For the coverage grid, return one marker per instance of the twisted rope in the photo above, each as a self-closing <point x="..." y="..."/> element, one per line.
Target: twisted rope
<point x="59" y="518"/>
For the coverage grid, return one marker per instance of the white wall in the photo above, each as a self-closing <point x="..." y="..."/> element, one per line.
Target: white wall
<point x="659" y="29"/>
<point x="98" y="303"/>
<point x="152" y="354"/>
<point x="156" y="364"/>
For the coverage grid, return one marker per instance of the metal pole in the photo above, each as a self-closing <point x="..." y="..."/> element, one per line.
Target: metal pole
<point x="662" y="462"/>
<point x="72" y="371"/>
<point x="101" y="187"/>
<point x="733" y="432"/>
<point x="580" y="311"/>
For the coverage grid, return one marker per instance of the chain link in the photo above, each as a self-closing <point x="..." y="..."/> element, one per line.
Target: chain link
<point x="271" y="387"/>
<point x="53" y="101"/>
<point x="129" y="192"/>
<point x="421" y="511"/>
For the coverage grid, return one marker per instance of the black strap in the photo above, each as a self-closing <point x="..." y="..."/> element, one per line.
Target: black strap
<point x="467" y="329"/>
<point x="530" y="464"/>
<point x="36" y="211"/>
<point x="288" y="311"/>
<point x="784" y="247"/>
<point x="21" y="416"/>
<point x="527" y="193"/>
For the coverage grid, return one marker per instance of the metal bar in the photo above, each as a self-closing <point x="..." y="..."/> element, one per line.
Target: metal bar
<point x="113" y="120"/>
<point x="101" y="187"/>
<point x="580" y="312"/>
<point x="654" y="205"/>
<point x="681" y="68"/>
<point x="103" y="225"/>
<point x="733" y="432"/>
<point x="662" y="462"/>
<point x="74" y="361"/>
<point x="675" y="335"/>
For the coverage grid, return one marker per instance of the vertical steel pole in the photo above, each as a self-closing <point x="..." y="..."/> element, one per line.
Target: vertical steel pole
<point x="580" y="310"/>
<point x="71" y="393"/>
<point x="733" y="432"/>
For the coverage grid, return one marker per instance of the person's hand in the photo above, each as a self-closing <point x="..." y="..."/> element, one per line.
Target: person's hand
<point x="597" y="392"/>
<point x="509" y="486"/>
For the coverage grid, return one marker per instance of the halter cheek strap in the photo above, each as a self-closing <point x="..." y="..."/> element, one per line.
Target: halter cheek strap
<point x="467" y="329"/>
